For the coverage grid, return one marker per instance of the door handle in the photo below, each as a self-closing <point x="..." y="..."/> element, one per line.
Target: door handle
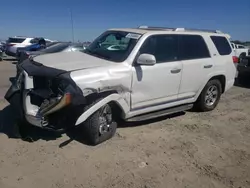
<point x="208" y="66"/>
<point x="174" y="71"/>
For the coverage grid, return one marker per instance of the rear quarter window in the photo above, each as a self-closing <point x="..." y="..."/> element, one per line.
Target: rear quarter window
<point x="222" y="45"/>
<point x="193" y="47"/>
<point x="16" y="40"/>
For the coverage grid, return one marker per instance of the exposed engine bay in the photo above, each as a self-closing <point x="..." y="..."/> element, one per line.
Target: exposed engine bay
<point x="52" y="95"/>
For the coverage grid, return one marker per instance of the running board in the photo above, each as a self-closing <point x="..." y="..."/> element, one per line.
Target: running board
<point x="160" y="113"/>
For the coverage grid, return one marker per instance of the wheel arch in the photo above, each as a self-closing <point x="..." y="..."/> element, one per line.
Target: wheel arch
<point x="117" y="102"/>
<point x="222" y="80"/>
<point x="221" y="77"/>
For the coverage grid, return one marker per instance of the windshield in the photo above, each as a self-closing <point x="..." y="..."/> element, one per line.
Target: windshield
<point x="113" y="45"/>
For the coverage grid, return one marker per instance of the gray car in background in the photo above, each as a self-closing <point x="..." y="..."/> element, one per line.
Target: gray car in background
<point x="52" y="48"/>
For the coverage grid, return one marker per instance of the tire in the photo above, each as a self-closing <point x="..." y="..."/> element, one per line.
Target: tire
<point x="97" y="133"/>
<point x="203" y="104"/>
<point x="241" y="57"/>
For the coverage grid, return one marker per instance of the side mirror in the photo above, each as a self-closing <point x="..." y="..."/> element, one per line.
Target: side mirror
<point x="146" y="59"/>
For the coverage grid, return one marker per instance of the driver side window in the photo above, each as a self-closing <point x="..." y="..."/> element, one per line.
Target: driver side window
<point x="163" y="47"/>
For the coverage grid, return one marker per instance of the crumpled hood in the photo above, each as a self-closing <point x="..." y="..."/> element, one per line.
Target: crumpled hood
<point x="70" y="61"/>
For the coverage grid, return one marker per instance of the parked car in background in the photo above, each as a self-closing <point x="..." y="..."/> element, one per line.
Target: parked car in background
<point x="158" y="71"/>
<point x="244" y="69"/>
<point x="240" y="50"/>
<point x="18" y="42"/>
<point x="52" y="48"/>
<point x="2" y="46"/>
<point x="39" y="45"/>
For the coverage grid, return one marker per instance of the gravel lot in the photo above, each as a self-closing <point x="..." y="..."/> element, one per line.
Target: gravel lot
<point x="190" y="149"/>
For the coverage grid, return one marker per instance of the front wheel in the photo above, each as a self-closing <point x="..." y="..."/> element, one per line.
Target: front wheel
<point x="209" y="96"/>
<point x="100" y="126"/>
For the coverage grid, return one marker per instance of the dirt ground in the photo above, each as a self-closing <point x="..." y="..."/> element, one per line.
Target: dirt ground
<point x="196" y="150"/>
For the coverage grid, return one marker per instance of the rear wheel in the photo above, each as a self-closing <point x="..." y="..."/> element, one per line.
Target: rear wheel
<point x="209" y="96"/>
<point x="241" y="57"/>
<point x="100" y="126"/>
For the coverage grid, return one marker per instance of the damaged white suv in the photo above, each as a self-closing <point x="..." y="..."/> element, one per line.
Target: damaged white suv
<point x="130" y="74"/>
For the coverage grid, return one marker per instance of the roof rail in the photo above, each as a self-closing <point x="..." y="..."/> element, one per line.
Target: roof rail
<point x="155" y="28"/>
<point x="200" y="30"/>
<point x="179" y="29"/>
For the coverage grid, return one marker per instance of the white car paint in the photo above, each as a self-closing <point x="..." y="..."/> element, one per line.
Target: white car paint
<point x="71" y="61"/>
<point x="240" y="49"/>
<point x="140" y="89"/>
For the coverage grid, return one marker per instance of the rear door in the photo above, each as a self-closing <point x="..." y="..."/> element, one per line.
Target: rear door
<point x="197" y="64"/>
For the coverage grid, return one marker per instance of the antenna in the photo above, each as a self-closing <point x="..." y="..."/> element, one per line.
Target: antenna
<point x="72" y="26"/>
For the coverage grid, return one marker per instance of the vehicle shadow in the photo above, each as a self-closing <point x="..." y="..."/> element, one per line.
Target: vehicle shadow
<point x="147" y="122"/>
<point x="79" y="135"/>
<point x="9" y="127"/>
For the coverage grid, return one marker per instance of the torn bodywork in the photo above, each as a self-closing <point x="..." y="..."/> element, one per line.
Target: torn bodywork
<point x="49" y="98"/>
<point x="55" y="95"/>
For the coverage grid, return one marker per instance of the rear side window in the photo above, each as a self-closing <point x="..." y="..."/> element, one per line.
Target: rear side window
<point x="222" y="45"/>
<point x="241" y="47"/>
<point x="16" y="40"/>
<point x="163" y="47"/>
<point x="193" y="47"/>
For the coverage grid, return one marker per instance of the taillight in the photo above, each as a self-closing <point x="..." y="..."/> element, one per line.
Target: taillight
<point x="235" y="59"/>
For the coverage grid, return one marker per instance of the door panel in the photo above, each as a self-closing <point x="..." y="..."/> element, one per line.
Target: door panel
<point x="193" y="76"/>
<point x="197" y="64"/>
<point x="157" y="84"/>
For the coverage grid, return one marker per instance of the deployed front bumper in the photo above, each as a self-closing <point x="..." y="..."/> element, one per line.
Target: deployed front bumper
<point x="52" y="112"/>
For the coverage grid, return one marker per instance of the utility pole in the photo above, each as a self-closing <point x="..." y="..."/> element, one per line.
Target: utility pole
<point x="72" y="26"/>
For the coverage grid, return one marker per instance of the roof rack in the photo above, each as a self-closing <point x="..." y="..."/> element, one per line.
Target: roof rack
<point x="178" y="29"/>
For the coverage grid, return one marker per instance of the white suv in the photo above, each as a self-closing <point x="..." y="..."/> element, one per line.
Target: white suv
<point x="154" y="72"/>
<point x="19" y="42"/>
